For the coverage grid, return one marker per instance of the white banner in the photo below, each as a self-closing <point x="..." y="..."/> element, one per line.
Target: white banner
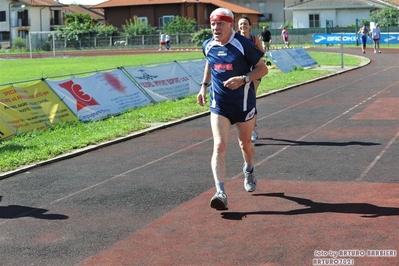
<point x="195" y="69"/>
<point x="99" y="95"/>
<point x="164" y="82"/>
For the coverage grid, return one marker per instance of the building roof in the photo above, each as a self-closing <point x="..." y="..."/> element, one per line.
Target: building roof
<point x="220" y="3"/>
<point x="94" y="13"/>
<point x="42" y="3"/>
<point x="395" y="2"/>
<point x="336" y="4"/>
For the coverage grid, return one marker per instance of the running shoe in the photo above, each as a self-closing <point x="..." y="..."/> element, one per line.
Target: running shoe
<point x="219" y="201"/>
<point x="249" y="181"/>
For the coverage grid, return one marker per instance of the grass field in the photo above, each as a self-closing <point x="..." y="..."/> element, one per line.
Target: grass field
<point x="32" y="147"/>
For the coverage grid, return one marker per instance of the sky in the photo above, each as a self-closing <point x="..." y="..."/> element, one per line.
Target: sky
<point x="82" y="2"/>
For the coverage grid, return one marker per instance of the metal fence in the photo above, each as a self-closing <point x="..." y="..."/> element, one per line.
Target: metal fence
<point x="141" y="41"/>
<point x="297" y="37"/>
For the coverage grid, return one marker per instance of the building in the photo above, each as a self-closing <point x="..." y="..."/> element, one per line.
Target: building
<point x="272" y="10"/>
<point x="278" y="12"/>
<point x="84" y="9"/>
<point x="19" y="17"/>
<point x="316" y="13"/>
<point x="159" y="12"/>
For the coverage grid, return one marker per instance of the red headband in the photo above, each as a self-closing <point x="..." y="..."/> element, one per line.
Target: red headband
<point x="221" y="17"/>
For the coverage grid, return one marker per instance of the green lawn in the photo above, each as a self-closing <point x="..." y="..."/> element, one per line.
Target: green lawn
<point x="39" y="145"/>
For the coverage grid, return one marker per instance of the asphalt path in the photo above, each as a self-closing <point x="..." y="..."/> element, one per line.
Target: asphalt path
<point x="327" y="160"/>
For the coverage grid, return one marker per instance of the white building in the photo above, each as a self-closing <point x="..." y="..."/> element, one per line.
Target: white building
<point x="316" y="13"/>
<point x="18" y="18"/>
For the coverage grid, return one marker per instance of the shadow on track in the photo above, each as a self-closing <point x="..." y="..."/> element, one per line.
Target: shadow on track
<point x="368" y="210"/>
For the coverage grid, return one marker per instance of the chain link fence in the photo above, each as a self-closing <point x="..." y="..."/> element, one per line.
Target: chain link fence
<point x="297" y="37"/>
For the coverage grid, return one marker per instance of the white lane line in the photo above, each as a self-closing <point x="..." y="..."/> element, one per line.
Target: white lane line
<point x="318" y="128"/>
<point x="131" y="170"/>
<point x="367" y="170"/>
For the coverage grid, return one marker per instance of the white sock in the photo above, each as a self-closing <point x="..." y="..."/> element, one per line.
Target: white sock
<point x="248" y="167"/>
<point x="219" y="186"/>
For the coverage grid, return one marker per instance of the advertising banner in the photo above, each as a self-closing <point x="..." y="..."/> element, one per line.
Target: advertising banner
<point x="99" y="95"/>
<point x="5" y="130"/>
<point x="29" y="108"/>
<point x="302" y="57"/>
<point x="165" y="82"/>
<point x="290" y="59"/>
<point x="195" y="69"/>
<point x="95" y="96"/>
<point x="350" y="38"/>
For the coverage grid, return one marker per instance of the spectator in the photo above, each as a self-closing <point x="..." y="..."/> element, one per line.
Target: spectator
<point x="233" y="62"/>
<point x="375" y="34"/>
<point x="167" y="39"/>
<point x="363" y="33"/>
<point x="284" y="35"/>
<point x="266" y="38"/>
<point x="162" y="41"/>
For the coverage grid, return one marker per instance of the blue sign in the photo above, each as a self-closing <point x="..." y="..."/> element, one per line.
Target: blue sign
<point x="291" y="59"/>
<point x="350" y="38"/>
<point x="302" y="57"/>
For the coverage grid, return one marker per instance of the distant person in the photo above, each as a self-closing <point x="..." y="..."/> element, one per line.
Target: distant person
<point x="285" y="36"/>
<point x="244" y="28"/>
<point x="362" y="34"/>
<point x="375" y="34"/>
<point x="232" y="63"/>
<point x="167" y="39"/>
<point x="266" y="38"/>
<point x="162" y="41"/>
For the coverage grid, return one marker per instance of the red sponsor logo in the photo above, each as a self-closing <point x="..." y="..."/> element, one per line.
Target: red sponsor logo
<point x="82" y="99"/>
<point x="223" y="67"/>
<point x="114" y="82"/>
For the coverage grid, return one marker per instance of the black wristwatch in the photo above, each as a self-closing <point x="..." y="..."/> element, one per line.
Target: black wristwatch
<point x="245" y="78"/>
<point x="206" y="84"/>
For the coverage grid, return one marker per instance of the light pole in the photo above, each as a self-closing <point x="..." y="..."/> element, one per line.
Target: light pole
<point x="9" y="18"/>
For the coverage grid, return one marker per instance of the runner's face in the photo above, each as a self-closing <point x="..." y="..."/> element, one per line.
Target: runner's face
<point x="243" y="25"/>
<point x="221" y="30"/>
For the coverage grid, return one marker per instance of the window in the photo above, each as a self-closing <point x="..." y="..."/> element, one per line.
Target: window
<point x="314" y="21"/>
<point x="3" y="16"/>
<point x="262" y="7"/>
<point x="23" y="18"/>
<point x="143" y="20"/>
<point x="23" y="34"/>
<point x="164" y="20"/>
<point x="56" y="17"/>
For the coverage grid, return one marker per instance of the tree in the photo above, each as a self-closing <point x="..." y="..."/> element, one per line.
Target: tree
<point x="386" y="17"/>
<point x="104" y="31"/>
<point x="200" y="36"/>
<point x="181" y="25"/>
<point x="135" y="27"/>
<point x="76" y="25"/>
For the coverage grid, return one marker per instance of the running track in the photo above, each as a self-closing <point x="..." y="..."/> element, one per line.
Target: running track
<point x="327" y="164"/>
